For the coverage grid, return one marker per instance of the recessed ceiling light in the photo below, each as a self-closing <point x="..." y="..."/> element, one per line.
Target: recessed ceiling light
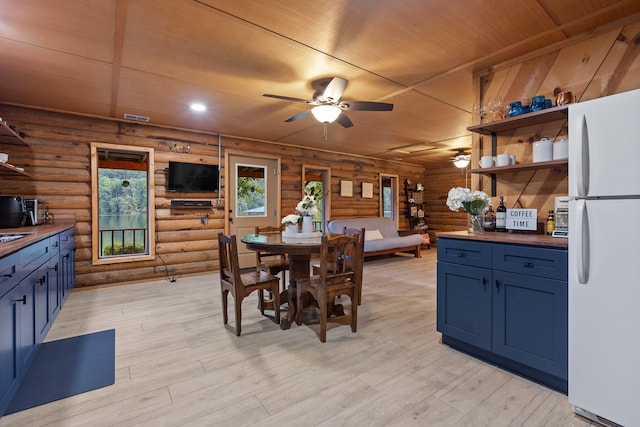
<point x="198" y="107"/>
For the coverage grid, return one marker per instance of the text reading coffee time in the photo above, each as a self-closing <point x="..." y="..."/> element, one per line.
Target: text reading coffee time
<point x="522" y="219"/>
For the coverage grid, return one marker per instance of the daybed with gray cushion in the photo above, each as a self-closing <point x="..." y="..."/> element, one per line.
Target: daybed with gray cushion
<point x="381" y="236"/>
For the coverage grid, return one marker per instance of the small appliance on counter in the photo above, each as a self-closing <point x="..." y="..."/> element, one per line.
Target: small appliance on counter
<point x="36" y="211"/>
<point x="561" y="217"/>
<point x="12" y="212"/>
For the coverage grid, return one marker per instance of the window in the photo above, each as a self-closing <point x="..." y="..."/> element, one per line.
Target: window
<point x="389" y="197"/>
<point x="122" y="194"/>
<point x="251" y="184"/>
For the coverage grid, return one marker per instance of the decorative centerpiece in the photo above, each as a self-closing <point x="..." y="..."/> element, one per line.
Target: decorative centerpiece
<point x="473" y="202"/>
<point x="291" y="221"/>
<point x="306" y="209"/>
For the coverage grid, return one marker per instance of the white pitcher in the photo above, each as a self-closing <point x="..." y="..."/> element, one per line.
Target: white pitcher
<point x="543" y="150"/>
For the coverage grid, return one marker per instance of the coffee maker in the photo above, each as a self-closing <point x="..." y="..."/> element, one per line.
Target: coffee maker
<point x="562" y="217"/>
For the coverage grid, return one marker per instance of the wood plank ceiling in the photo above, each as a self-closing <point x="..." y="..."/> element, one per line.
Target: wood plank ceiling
<point x="153" y="58"/>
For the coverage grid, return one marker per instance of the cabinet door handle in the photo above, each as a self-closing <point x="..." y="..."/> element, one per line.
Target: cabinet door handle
<point x="497" y="285"/>
<point x="461" y="254"/>
<point x="528" y="264"/>
<point x="23" y="300"/>
<point x="484" y="283"/>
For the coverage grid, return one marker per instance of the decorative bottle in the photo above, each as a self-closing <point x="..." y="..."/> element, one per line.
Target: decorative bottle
<point x="489" y="219"/>
<point x="551" y="225"/>
<point x="501" y="216"/>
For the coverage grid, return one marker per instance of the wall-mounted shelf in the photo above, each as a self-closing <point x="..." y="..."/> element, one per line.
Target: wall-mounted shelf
<point x="10" y="170"/>
<point x="523" y="120"/>
<point x="510" y="123"/>
<point x="522" y="167"/>
<point x="8" y="130"/>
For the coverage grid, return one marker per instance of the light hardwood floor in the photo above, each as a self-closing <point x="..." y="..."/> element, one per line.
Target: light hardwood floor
<point x="176" y="364"/>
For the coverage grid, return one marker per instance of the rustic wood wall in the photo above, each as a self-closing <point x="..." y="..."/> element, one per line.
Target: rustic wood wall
<point x="56" y="154"/>
<point x="603" y="63"/>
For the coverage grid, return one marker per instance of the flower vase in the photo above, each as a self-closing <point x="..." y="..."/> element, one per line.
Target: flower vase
<point x="307" y="224"/>
<point x="475" y="224"/>
<point x="292" y="228"/>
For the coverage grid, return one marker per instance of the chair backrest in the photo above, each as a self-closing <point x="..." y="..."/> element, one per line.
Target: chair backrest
<point x="339" y="258"/>
<point x="269" y="229"/>
<point x="228" y="258"/>
<point x="357" y="264"/>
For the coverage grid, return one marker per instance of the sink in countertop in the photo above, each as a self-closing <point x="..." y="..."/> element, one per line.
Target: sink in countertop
<point x="10" y="237"/>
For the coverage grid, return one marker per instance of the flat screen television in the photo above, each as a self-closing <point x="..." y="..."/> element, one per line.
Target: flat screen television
<point x="192" y="177"/>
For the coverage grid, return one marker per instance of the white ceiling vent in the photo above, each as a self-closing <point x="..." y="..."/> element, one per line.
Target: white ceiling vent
<point x="136" y="118"/>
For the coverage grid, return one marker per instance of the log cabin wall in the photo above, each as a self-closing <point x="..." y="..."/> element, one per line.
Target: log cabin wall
<point x="603" y="63"/>
<point x="57" y="156"/>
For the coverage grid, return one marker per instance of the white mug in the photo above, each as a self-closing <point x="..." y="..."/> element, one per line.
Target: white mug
<point x="503" y="160"/>
<point x="512" y="158"/>
<point x="486" y="161"/>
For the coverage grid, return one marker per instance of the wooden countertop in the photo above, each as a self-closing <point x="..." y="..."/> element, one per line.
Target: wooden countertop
<point x="38" y="232"/>
<point x="513" y="238"/>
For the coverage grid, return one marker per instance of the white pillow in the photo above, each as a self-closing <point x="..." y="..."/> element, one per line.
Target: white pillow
<point x="372" y="235"/>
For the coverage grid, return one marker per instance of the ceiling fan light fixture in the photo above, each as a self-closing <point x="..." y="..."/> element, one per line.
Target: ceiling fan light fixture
<point x="326" y="113"/>
<point x="461" y="160"/>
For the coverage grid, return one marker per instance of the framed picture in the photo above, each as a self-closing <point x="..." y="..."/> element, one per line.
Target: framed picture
<point x="413" y="211"/>
<point x="346" y="188"/>
<point x="367" y="190"/>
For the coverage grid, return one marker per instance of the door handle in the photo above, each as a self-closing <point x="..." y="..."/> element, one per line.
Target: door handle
<point x="582" y="242"/>
<point x="23" y="300"/>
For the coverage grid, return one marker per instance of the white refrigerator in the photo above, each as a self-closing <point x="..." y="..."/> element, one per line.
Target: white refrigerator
<point x="604" y="259"/>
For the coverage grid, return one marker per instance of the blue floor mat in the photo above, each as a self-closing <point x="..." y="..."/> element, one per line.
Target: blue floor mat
<point x="67" y="367"/>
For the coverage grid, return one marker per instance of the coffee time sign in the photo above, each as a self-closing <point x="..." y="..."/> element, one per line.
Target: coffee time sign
<point x="522" y="219"/>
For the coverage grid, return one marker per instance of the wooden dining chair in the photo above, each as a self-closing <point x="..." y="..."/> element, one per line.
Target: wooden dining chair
<point x="359" y="233"/>
<point x="272" y="263"/>
<point x="339" y="260"/>
<point x="241" y="285"/>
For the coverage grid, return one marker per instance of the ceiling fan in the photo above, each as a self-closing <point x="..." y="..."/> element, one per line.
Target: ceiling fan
<point x="461" y="159"/>
<point x="327" y="105"/>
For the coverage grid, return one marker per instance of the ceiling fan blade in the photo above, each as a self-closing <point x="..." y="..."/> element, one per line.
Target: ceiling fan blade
<point x="334" y="89"/>
<point x="344" y="121"/>
<point x="298" y="116"/>
<point x="287" y="98"/>
<point x="366" y="106"/>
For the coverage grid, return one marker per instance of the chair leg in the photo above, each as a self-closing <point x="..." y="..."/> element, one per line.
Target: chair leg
<point x="323" y="319"/>
<point x="225" y="318"/>
<point x="261" y="301"/>
<point x="276" y="303"/>
<point x="238" y="305"/>
<point x="354" y="312"/>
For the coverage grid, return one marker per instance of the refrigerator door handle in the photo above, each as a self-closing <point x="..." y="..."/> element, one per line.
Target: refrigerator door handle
<point x="582" y="242"/>
<point x="581" y="158"/>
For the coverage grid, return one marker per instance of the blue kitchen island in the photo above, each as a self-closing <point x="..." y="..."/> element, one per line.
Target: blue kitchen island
<point x="502" y="297"/>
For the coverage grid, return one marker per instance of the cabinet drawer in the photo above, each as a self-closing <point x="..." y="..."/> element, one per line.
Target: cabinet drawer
<point x="33" y="256"/>
<point x="10" y="274"/>
<point x="532" y="261"/>
<point x="67" y="239"/>
<point x="465" y="252"/>
<point x="54" y="245"/>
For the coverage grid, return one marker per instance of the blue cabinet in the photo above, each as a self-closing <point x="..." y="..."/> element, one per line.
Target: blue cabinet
<point x="506" y="303"/>
<point x="31" y="296"/>
<point x="464" y="303"/>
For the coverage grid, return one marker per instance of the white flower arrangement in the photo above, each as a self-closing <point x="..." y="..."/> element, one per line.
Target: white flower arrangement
<point x="291" y="219"/>
<point x="307" y="206"/>
<point x="473" y="202"/>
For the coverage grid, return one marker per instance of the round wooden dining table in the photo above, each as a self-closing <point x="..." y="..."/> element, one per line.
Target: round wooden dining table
<point x="298" y="249"/>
